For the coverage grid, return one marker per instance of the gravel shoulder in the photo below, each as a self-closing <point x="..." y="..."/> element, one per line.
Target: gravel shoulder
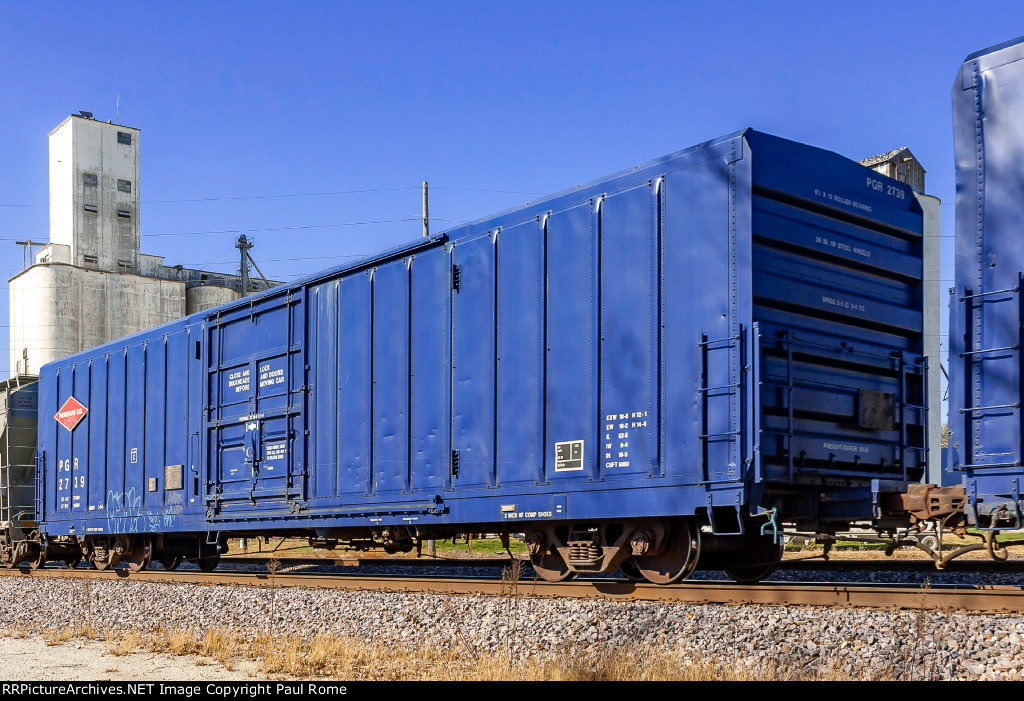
<point x="862" y="642"/>
<point x="32" y="659"/>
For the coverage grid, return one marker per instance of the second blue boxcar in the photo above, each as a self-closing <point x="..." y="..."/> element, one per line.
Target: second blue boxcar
<point x="985" y="378"/>
<point x="647" y="372"/>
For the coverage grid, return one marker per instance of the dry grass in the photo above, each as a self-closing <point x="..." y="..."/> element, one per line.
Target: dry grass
<point x="127" y="644"/>
<point x="59" y="636"/>
<point x="325" y="656"/>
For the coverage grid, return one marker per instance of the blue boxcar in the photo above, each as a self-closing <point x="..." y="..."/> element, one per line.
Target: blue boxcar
<point x="628" y="372"/>
<point x="985" y="308"/>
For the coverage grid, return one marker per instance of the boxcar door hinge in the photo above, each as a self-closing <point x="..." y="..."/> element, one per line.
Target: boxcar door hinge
<point x="456" y="277"/>
<point x="455" y="463"/>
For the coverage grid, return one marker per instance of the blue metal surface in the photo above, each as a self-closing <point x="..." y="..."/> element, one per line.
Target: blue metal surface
<point x="95" y="477"/>
<point x="985" y="307"/>
<point x="735" y="326"/>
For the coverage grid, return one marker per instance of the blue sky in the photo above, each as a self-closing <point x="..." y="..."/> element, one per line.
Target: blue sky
<point x="246" y="109"/>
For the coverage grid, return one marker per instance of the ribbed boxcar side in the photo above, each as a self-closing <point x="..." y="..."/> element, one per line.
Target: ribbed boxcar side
<point x="597" y="369"/>
<point x="985" y="378"/>
<point x="113" y="456"/>
<point x="440" y="380"/>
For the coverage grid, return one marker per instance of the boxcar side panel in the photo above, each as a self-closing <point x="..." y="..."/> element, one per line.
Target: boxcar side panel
<point x="628" y="335"/>
<point x="473" y="362"/>
<point x="520" y="289"/>
<point x="46" y="457"/>
<point x="64" y="450"/>
<point x="98" y="431"/>
<point x="696" y="297"/>
<point x="355" y="370"/>
<point x="323" y="338"/>
<point x="125" y="496"/>
<point x="390" y="464"/>
<point x="571" y="410"/>
<point x="116" y="438"/>
<point x="156" y="423"/>
<point x="429" y="366"/>
<point x="81" y="387"/>
<point x="189" y="501"/>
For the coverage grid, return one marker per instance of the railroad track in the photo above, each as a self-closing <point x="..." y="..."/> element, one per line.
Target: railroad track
<point x="795" y="565"/>
<point x="988" y="599"/>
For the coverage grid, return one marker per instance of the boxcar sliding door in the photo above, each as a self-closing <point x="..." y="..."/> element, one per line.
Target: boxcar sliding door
<point x="255" y="418"/>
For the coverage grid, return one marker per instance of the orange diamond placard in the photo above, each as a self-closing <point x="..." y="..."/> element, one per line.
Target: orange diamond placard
<point x="71" y="413"/>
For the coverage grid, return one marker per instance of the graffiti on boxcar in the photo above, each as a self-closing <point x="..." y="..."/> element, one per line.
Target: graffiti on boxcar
<point x="126" y="515"/>
<point x="123" y="511"/>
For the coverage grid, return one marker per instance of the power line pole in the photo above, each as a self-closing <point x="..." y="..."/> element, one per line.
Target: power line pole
<point x="426" y="216"/>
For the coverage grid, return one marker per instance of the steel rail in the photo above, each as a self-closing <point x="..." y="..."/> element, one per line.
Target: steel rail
<point x="925" y="566"/>
<point x="793" y="565"/>
<point x="988" y="599"/>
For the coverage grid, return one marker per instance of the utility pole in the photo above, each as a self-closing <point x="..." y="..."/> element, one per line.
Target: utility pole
<point x="243" y="245"/>
<point x="426" y="215"/>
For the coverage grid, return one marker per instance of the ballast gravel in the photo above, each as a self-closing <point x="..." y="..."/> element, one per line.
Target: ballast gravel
<point x="859" y="642"/>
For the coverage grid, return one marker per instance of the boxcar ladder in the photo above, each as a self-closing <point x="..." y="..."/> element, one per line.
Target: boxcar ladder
<point x="732" y="394"/>
<point x="972" y="359"/>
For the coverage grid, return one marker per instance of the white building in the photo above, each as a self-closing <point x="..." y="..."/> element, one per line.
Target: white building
<point x="92" y="284"/>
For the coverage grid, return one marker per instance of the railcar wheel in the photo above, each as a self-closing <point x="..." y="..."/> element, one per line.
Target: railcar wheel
<point x="35" y="551"/>
<point x="756" y="561"/>
<point x="170" y="563"/>
<point x="547" y="562"/>
<point x="630" y="571"/>
<point x="140" y="555"/>
<point x="209" y="563"/>
<point x="677" y="559"/>
<point x="72" y="562"/>
<point x="552" y="568"/>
